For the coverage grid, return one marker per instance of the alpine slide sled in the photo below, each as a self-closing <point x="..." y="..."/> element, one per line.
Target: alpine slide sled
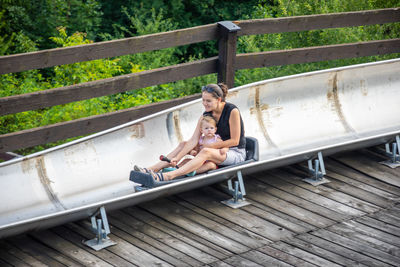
<point x="287" y="120"/>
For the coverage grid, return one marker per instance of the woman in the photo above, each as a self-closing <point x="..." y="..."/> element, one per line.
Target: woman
<point x="229" y="127"/>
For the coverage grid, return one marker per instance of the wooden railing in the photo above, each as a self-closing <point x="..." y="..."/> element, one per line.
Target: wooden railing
<point x="224" y="65"/>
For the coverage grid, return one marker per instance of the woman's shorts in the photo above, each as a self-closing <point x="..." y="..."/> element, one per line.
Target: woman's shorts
<point x="234" y="156"/>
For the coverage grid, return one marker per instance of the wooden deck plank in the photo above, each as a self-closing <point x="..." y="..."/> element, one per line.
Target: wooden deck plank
<point x="384" y="227"/>
<point x="362" y="162"/>
<point x="357" y="192"/>
<point x="11" y="259"/>
<point x="237" y="260"/>
<point x="287" y="175"/>
<point x="304" y="198"/>
<point x="4" y="263"/>
<point x="338" y="248"/>
<point x="285" y="257"/>
<point x="70" y="249"/>
<point x="218" y="217"/>
<point x="336" y="166"/>
<point x="127" y="249"/>
<point x="387" y="218"/>
<point x="300" y="253"/>
<point x="220" y="264"/>
<point x="76" y="235"/>
<point x="180" y="233"/>
<point x="371" y="241"/>
<point x="24" y="257"/>
<point x="256" y="193"/>
<point x="379" y="258"/>
<point x="158" y="243"/>
<point x="237" y="233"/>
<point x="278" y="217"/>
<point x="278" y="220"/>
<point x="263" y="259"/>
<point x="321" y="252"/>
<point x="334" y="169"/>
<point x="373" y="232"/>
<point x="209" y="199"/>
<point x="44" y="254"/>
<point x="174" y="214"/>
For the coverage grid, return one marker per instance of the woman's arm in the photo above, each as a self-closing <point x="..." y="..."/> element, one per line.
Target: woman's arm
<point x="234" y="124"/>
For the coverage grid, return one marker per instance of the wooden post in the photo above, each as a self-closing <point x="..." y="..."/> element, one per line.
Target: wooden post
<point x="227" y="52"/>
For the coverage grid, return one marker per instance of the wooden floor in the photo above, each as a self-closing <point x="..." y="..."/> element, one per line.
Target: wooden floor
<point x="352" y="221"/>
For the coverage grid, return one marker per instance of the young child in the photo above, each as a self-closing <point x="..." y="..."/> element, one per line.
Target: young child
<point x="208" y="128"/>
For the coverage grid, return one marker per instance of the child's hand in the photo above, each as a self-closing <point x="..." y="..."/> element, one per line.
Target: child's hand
<point x="173" y="162"/>
<point x="193" y="153"/>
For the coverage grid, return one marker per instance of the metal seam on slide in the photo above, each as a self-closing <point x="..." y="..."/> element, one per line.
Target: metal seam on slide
<point x="45" y="181"/>
<point x="260" y="118"/>
<point x="338" y="106"/>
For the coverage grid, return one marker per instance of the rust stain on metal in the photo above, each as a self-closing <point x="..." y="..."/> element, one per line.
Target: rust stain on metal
<point x="27" y="165"/>
<point x="177" y="126"/>
<point x="333" y="98"/>
<point x="46" y="182"/>
<point x="363" y="87"/>
<point x="137" y="131"/>
<point x="232" y="94"/>
<point x="262" y="107"/>
<point x="259" y="113"/>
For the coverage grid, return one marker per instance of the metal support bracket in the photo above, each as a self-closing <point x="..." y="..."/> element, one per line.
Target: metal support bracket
<point x="317" y="171"/>
<point x="101" y="228"/>
<point x="394" y="154"/>
<point x="237" y="193"/>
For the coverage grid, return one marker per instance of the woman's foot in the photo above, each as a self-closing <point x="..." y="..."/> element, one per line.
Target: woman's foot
<point x="140" y="169"/>
<point x="157" y="176"/>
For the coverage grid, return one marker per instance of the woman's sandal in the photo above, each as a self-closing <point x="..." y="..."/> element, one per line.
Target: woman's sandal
<point x="140" y="169"/>
<point x="157" y="176"/>
<point x="148" y="180"/>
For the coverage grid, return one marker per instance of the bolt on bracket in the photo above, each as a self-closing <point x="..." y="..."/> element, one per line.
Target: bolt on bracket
<point x="393" y="154"/>
<point x="317" y="171"/>
<point x="101" y="228"/>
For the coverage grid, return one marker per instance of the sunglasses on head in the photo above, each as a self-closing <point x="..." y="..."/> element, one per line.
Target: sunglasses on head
<point x="210" y="90"/>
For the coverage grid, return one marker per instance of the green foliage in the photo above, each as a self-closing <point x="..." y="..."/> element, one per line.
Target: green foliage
<point x="38" y="20"/>
<point x="290" y="40"/>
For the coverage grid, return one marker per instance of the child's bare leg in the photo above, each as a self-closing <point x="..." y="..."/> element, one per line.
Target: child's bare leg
<point x="163" y="164"/>
<point x="208" y="166"/>
<point x="184" y="162"/>
<point x="204" y="155"/>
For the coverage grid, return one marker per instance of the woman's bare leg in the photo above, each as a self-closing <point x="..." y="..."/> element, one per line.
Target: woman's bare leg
<point x="163" y="164"/>
<point x="205" y="154"/>
<point x="208" y="166"/>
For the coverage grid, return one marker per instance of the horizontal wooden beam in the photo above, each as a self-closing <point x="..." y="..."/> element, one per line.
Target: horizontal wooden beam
<point x="84" y="126"/>
<point x="67" y="55"/>
<point x="63" y="95"/>
<point x="316" y="22"/>
<point x="315" y="54"/>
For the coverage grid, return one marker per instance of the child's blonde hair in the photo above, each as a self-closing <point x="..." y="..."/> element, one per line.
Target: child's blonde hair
<point x="210" y="120"/>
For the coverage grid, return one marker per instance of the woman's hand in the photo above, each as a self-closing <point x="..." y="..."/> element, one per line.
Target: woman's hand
<point x="174" y="162"/>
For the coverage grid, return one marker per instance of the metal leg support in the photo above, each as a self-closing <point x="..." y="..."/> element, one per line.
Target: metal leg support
<point x="101" y="228"/>
<point x="394" y="154"/>
<point x="317" y="172"/>
<point x="237" y="193"/>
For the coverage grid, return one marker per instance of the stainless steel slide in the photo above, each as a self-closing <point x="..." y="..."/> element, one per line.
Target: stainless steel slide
<point x="292" y="117"/>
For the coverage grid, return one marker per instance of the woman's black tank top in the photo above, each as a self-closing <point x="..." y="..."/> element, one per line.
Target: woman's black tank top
<point x="223" y="128"/>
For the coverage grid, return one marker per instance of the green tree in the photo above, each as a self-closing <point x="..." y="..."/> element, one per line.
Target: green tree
<point x="281" y="41"/>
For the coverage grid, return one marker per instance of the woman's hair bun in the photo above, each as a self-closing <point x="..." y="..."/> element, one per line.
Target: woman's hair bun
<point x="224" y="89"/>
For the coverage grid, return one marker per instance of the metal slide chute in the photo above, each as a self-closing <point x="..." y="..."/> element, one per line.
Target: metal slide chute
<point x="293" y="118"/>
